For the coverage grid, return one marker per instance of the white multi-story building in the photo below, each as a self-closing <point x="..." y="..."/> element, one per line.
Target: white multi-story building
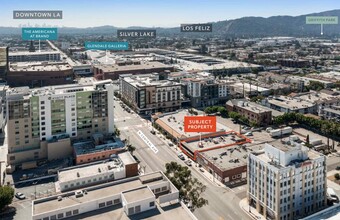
<point x="42" y="122"/>
<point x="286" y="182"/>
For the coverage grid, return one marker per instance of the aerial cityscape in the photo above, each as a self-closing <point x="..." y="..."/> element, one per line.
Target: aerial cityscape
<point x="198" y="110"/>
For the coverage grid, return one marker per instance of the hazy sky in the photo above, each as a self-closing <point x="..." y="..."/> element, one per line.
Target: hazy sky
<point x="163" y="13"/>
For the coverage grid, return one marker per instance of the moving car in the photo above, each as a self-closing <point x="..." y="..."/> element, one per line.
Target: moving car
<point x="20" y="195"/>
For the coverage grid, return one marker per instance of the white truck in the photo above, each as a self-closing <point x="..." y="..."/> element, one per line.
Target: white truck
<point x="315" y="142"/>
<point x="281" y="131"/>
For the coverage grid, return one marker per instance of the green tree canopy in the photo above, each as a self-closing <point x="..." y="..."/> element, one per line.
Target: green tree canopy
<point x="6" y="196"/>
<point x="190" y="189"/>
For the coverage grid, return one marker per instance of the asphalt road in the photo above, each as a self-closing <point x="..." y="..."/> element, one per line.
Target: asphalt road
<point x="223" y="203"/>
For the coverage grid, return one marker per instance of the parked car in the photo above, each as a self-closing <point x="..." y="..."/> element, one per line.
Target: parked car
<point x="337" y="168"/>
<point x="248" y="134"/>
<point x="188" y="162"/>
<point x="153" y="132"/>
<point x="170" y="144"/>
<point x="20" y="195"/>
<point x="180" y="156"/>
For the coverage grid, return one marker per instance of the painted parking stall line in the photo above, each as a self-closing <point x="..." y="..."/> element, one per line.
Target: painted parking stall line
<point x="147" y="141"/>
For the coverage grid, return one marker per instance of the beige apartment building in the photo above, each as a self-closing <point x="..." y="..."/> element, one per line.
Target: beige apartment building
<point x="147" y="94"/>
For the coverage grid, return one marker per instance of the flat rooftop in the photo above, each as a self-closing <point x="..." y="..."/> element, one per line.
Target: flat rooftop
<point x="93" y="193"/>
<point x="290" y="103"/>
<point x="211" y="142"/>
<point x="27" y="53"/>
<point x="275" y="113"/>
<point x="39" y="66"/>
<point x="89" y="170"/>
<point x="170" y="212"/>
<point x="227" y="158"/>
<point x="26" y="92"/>
<point x="248" y="87"/>
<point x="249" y="106"/>
<point x="88" y="147"/>
<point x="286" y="148"/>
<point x="148" y="80"/>
<point x="174" y="123"/>
<point x="143" y="65"/>
<point x="138" y="194"/>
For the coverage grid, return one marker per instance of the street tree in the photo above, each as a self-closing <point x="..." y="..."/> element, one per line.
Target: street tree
<point x="131" y="148"/>
<point x="190" y="189"/>
<point x="6" y="196"/>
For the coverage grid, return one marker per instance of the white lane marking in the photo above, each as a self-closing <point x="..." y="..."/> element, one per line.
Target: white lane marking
<point x="147" y="141"/>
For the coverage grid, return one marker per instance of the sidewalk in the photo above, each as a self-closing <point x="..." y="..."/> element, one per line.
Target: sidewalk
<point x="205" y="174"/>
<point x="251" y="212"/>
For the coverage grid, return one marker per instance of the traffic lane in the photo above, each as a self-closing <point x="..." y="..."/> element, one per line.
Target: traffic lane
<point x="221" y="206"/>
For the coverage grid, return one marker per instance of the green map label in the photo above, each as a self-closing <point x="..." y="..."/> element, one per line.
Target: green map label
<point x="322" y="20"/>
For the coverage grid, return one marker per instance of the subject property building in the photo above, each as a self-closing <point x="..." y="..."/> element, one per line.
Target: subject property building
<point x="286" y="181"/>
<point x="147" y="94"/>
<point x="42" y="122"/>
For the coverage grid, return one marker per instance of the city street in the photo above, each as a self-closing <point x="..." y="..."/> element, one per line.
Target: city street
<point x="223" y="202"/>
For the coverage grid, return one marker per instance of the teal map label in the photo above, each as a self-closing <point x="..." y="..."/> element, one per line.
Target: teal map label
<point x="322" y="20"/>
<point x="39" y="33"/>
<point x="106" y="45"/>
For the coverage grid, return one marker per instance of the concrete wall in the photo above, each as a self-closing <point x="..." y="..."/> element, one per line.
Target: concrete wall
<point x="91" y="180"/>
<point x="81" y="207"/>
<point x="91" y="157"/>
<point x="144" y="205"/>
<point x="60" y="149"/>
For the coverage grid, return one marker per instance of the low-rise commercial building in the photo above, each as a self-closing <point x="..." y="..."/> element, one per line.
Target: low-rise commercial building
<point x="39" y="74"/>
<point x="288" y="104"/>
<point x="172" y="125"/>
<point x="195" y="145"/>
<point x="26" y="56"/>
<point x="253" y="113"/>
<point x="121" y="166"/>
<point x="228" y="165"/>
<point x="247" y="89"/>
<point x="127" y="197"/>
<point x="286" y="181"/>
<point x="113" y="71"/>
<point x="293" y="63"/>
<point x="147" y="94"/>
<point x="101" y="147"/>
<point x="332" y="113"/>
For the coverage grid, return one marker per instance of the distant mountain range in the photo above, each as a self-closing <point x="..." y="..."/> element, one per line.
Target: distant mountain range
<point x="242" y="27"/>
